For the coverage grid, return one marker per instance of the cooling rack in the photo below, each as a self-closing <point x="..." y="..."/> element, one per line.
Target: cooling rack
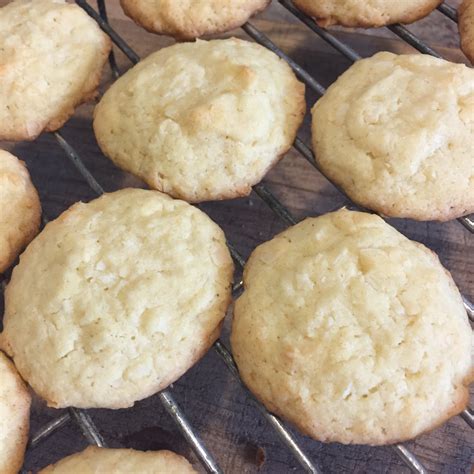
<point x="81" y="417"/>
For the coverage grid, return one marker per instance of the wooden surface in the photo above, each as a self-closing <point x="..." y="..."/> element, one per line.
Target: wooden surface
<point x="217" y="406"/>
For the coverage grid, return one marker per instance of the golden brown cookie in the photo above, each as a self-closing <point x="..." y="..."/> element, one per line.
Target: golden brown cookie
<point x="396" y="133"/>
<point x="366" y="14"/>
<point x="352" y="332"/>
<point x="188" y="19"/>
<point x="125" y="294"/>
<point x="20" y="209"/>
<point x="51" y="61"/>
<point x="15" y="403"/>
<point x="202" y="121"/>
<point x="120" y="461"/>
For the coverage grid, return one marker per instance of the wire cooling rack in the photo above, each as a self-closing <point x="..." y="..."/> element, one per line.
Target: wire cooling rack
<point x="81" y="417"/>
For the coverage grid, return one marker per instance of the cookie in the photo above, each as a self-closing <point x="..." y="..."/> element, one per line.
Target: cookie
<point x="364" y="14"/>
<point x="466" y="28"/>
<point x="51" y="60"/>
<point x="352" y="332"/>
<point x="15" y="403"/>
<point x="125" y="294"/>
<point x="202" y="121"/>
<point x="120" y="461"/>
<point x="186" y="19"/>
<point x="20" y="209"/>
<point x="396" y="133"/>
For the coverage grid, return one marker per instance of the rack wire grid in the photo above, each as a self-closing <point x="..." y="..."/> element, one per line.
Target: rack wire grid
<point x="81" y="417"/>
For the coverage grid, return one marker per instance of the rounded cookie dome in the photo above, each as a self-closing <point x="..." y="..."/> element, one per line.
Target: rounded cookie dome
<point x="125" y="293"/>
<point x="352" y="332"/>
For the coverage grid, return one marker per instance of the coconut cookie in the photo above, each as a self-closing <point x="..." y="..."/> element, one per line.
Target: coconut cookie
<point x="189" y="19"/>
<point x="202" y="121"/>
<point x="120" y="461"/>
<point x="364" y="14"/>
<point x="20" y="209"/>
<point x="466" y="28"/>
<point x="14" y="417"/>
<point x="130" y="291"/>
<point x="352" y="332"/>
<point x="50" y="61"/>
<point x="396" y="133"/>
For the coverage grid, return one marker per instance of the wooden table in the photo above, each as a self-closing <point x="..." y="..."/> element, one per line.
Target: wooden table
<point x="217" y="406"/>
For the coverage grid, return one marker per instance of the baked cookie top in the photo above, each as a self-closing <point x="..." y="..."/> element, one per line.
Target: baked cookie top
<point x="51" y="60"/>
<point x="120" y="461"/>
<point x="20" y="209"/>
<point x="366" y="14"/>
<point x="188" y="19"/>
<point x="466" y="28"/>
<point x="352" y="332"/>
<point x="15" y="403"/>
<point x="125" y="294"/>
<point x="396" y="133"/>
<point x="203" y="120"/>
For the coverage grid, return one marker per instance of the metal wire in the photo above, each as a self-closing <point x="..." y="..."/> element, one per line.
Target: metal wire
<point x="260" y="38"/>
<point x="449" y="11"/>
<point x="409" y="458"/>
<point x="114" y="36"/>
<point x="308" y="155"/>
<point x="275" y="205"/>
<point x="343" y="48"/>
<point x="235" y="255"/>
<point x="468" y="222"/>
<point x="277" y="425"/>
<point x="88" y="428"/>
<point x="113" y="63"/>
<point x="469" y="308"/>
<point x="188" y="432"/>
<point x="407" y="36"/>
<point x="468" y="416"/>
<point x="49" y="428"/>
<point x="79" y="164"/>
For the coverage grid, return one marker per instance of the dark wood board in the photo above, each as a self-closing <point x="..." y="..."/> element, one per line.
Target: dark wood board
<point x="217" y="406"/>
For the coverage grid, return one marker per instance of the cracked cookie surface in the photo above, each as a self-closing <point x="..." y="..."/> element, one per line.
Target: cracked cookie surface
<point x="202" y="121"/>
<point x="116" y="299"/>
<point x="396" y="133"/>
<point x="188" y="19"/>
<point x="51" y="61"/>
<point x="352" y="332"/>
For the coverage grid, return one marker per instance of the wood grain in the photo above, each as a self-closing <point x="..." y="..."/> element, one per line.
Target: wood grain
<point x="216" y="405"/>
